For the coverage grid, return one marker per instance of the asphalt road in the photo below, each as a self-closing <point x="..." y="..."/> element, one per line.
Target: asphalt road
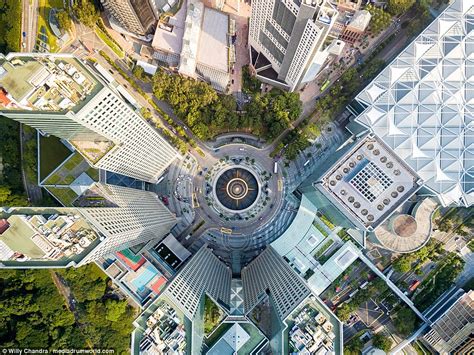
<point x="29" y="16"/>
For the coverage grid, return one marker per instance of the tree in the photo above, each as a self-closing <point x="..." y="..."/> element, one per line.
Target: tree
<point x="405" y="321"/>
<point x="354" y="346"/>
<point x="382" y="342"/>
<point x="402" y="264"/>
<point x="398" y="7"/>
<point x="344" y="311"/>
<point x="64" y="20"/>
<point x="115" y="309"/>
<point x="86" y="12"/>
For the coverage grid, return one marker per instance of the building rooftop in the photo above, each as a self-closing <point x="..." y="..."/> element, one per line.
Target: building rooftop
<point x="47" y="83"/>
<point x="213" y="47"/>
<point x="169" y="35"/>
<point x="198" y="34"/>
<point x="455" y="327"/>
<point x="361" y="20"/>
<point x="370" y="182"/>
<point x="421" y="105"/>
<point x="404" y="233"/>
<point x="46" y="235"/>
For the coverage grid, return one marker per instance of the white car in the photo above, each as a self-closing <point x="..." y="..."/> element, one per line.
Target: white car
<point x="23" y="44"/>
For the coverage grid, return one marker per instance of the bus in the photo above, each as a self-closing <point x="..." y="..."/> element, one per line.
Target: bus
<point x="325" y="85"/>
<point x="275" y="168"/>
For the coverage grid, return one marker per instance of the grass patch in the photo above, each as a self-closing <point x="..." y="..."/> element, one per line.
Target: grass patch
<point x="93" y="173"/>
<point x="44" y="7"/>
<point x="101" y="31"/>
<point x="327" y="222"/>
<point x="52" y="154"/>
<point x="65" y="195"/>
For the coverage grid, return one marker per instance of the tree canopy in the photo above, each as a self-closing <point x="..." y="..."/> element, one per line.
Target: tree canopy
<point x="382" y="342"/>
<point x="64" y="20"/>
<point x="10" y="25"/>
<point x="398" y="7"/>
<point x="86" y="12"/>
<point x="209" y="114"/>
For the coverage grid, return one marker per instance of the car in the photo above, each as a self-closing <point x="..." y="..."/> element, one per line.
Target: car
<point x="24" y="34"/>
<point x="241" y="149"/>
<point x="232" y="81"/>
<point x="23" y="45"/>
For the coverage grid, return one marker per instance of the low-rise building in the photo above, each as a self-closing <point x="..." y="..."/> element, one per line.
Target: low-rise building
<point x="196" y="42"/>
<point x="356" y="27"/>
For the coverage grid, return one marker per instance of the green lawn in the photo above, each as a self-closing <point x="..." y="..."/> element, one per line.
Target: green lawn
<point x="212" y="315"/>
<point x="44" y="7"/>
<point x="106" y="39"/>
<point x="64" y="194"/>
<point x="52" y="154"/>
<point x="69" y="171"/>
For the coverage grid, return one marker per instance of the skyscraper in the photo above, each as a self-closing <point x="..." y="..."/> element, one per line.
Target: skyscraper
<point x="62" y="96"/>
<point x="132" y="217"/>
<point x="108" y="219"/>
<point x="204" y="273"/>
<point x="288" y="40"/>
<point x="269" y="273"/>
<point x="135" y="16"/>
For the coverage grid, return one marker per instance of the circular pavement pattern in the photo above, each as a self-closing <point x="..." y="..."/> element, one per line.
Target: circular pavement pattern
<point x="236" y="189"/>
<point x="404" y="225"/>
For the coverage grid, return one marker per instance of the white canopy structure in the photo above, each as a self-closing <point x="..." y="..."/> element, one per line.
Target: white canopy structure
<point x="422" y="105"/>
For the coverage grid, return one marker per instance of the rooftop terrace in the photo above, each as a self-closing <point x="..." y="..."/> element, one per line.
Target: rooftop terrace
<point x="53" y="235"/>
<point x="45" y="83"/>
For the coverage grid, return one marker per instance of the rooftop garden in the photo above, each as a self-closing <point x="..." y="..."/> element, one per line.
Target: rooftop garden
<point x="52" y="154"/>
<point x="70" y="170"/>
<point x="212" y="315"/>
<point x="63" y="194"/>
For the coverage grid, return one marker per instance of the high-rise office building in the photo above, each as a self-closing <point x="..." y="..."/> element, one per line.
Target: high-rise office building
<point x="269" y="273"/>
<point x="108" y="219"/>
<point x="287" y="40"/>
<point x="135" y="16"/>
<point x="62" y="96"/>
<point x="204" y="273"/>
<point x="133" y="217"/>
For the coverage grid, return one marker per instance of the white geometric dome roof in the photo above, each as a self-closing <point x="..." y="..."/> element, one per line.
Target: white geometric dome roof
<point x="422" y="104"/>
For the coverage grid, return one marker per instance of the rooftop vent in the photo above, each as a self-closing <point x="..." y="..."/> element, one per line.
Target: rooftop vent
<point x="380" y="207"/>
<point x="356" y="204"/>
<point x="370" y="146"/>
<point x="351" y="164"/>
<point x="370" y="218"/>
<point x="394" y="194"/>
<point x="338" y="177"/>
<point x="386" y="201"/>
<point x="343" y="192"/>
<point x="396" y="172"/>
<point x="351" y="199"/>
<point x="332" y="183"/>
<point x="389" y="165"/>
<point x="376" y="152"/>
<point x="400" y="189"/>
<point x="360" y="157"/>
<point x="383" y="159"/>
<point x="345" y="170"/>
<point x="364" y="212"/>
